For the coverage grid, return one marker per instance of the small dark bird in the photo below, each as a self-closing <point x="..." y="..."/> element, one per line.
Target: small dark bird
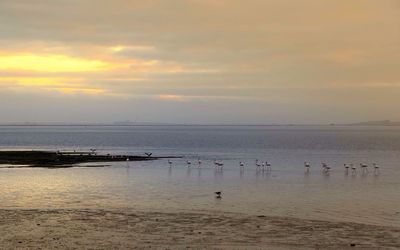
<point x="219" y="193"/>
<point x="148" y="154"/>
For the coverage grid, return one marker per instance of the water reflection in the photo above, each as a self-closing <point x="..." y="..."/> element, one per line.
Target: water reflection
<point x="148" y="186"/>
<point x="169" y="171"/>
<point x="188" y="172"/>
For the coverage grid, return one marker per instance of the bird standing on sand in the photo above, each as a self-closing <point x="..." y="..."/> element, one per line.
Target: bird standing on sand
<point x="169" y="162"/>
<point x="188" y="163"/>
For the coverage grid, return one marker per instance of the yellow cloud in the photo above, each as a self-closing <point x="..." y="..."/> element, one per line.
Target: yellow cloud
<point x="86" y="91"/>
<point x="39" y="81"/>
<point x="167" y="97"/>
<point x="50" y="63"/>
<point x="119" y="48"/>
<point x="62" y="85"/>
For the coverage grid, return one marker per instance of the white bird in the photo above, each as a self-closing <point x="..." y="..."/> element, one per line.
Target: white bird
<point x="188" y="163"/>
<point x="170" y="162"/>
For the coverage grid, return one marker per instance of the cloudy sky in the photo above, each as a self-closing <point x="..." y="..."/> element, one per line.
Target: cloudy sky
<point x="199" y="61"/>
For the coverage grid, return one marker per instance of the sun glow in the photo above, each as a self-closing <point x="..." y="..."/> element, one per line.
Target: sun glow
<point x="50" y="63"/>
<point x="69" y="86"/>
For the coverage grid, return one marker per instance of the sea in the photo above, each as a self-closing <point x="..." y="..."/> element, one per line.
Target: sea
<point x="286" y="190"/>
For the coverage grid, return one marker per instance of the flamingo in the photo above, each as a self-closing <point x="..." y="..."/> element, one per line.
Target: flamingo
<point x="346" y="166"/>
<point x="364" y="168"/>
<point x="325" y="168"/>
<point x="269" y="167"/>
<point x="307" y="166"/>
<point x="258" y="165"/>
<point x="241" y="164"/>
<point x="376" y="168"/>
<point x="353" y="169"/>
<point x="215" y="163"/>
<point x="263" y="166"/>
<point x="220" y="165"/>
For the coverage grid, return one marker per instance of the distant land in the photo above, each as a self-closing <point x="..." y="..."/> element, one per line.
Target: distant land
<point x="376" y="123"/>
<point x="131" y="123"/>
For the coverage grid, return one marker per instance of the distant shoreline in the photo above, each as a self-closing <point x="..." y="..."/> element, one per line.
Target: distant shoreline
<point x="202" y="125"/>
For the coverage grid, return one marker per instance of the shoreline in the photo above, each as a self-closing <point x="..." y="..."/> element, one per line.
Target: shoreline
<point x="130" y="228"/>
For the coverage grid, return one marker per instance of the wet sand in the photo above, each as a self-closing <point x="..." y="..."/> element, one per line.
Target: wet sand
<point x="128" y="229"/>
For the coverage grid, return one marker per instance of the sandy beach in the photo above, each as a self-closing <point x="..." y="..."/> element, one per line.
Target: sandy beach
<point x="127" y="229"/>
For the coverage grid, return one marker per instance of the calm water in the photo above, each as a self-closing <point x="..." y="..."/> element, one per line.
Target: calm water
<point x="286" y="191"/>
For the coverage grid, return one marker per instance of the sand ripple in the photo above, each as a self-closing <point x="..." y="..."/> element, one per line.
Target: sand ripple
<point x="126" y="229"/>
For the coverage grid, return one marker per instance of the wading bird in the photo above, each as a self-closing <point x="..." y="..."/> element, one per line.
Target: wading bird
<point x="376" y="169"/>
<point x="346" y="167"/>
<point x="307" y="166"/>
<point x="353" y="169"/>
<point x="364" y="168"/>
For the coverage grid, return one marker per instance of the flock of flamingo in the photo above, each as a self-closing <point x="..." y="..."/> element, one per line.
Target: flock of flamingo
<point x="347" y="166"/>
<point x="267" y="167"/>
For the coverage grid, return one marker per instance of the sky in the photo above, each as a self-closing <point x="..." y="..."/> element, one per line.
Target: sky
<point x="199" y="61"/>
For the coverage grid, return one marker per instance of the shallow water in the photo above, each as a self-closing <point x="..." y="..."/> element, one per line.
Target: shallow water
<point x="286" y="191"/>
